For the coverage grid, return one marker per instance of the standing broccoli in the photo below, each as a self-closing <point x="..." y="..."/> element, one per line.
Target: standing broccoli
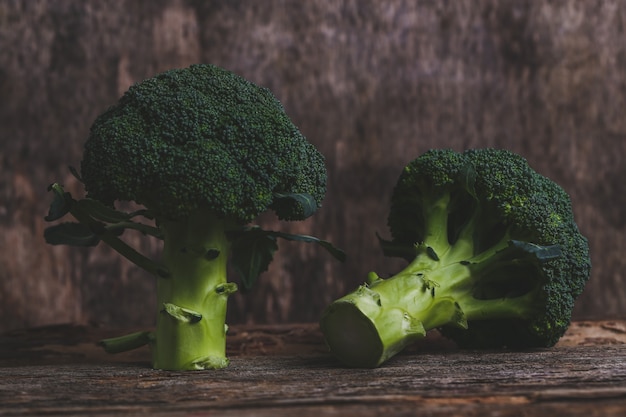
<point x="205" y="152"/>
<point x="495" y="260"/>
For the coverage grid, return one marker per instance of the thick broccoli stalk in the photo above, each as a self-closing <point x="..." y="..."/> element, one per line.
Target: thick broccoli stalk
<point x="205" y="152"/>
<point x="192" y="301"/>
<point x="495" y="259"/>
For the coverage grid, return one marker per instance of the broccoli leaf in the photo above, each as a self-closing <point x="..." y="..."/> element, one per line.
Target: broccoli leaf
<point x="99" y="211"/>
<point x="253" y="250"/>
<point x="334" y="251"/>
<point x="102" y="212"/>
<point x="307" y="202"/>
<point x="542" y="253"/>
<point x="75" y="173"/>
<point x="61" y="203"/>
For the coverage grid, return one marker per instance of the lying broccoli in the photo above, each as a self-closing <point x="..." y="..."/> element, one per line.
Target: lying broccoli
<point x="205" y="152"/>
<point x="496" y="260"/>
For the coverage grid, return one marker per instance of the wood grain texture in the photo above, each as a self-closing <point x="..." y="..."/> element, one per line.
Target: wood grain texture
<point x="372" y="84"/>
<point x="285" y="370"/>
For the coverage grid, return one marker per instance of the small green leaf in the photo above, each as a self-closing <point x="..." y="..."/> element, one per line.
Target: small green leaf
<point x="75" y="173"/>
<point x="252" y="251"/>
<point x="542" y="253"/>
<point x="306" y="202"/>
<point x="73" y="234"/>
<point x="61" y="203"/>
<point x="99" y="211"/>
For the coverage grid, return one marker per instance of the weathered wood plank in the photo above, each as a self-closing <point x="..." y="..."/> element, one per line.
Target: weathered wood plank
<point x="459" y="380"/>
<point x="285" y="370"/>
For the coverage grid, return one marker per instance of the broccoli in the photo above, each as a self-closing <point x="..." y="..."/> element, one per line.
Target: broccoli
<point x="203" y="152"/>
<point x="495" y="261"/>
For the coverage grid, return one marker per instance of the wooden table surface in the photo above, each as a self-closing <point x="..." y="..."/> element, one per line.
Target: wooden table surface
<point x="286" y="371"/>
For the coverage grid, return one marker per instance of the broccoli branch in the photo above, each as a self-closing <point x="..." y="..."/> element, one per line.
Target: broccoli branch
<point x="91" y="229"/>
<point x="445" y="285"/>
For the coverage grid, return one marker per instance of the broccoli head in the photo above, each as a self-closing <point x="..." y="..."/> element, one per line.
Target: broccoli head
<point x="205" y="152"/>
<point x="495" y="260"/>
<point x="202" y="138"/>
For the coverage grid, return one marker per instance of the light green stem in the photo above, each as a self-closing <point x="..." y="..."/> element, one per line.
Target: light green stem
<point x="373" y="323"/>
<point x="191" y="302"/>
<point x="370" y="325"/>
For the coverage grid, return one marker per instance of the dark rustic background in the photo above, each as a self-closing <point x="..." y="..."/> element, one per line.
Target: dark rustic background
<point x="371" y="83"/>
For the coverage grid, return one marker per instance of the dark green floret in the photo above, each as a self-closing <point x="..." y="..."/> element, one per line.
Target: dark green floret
<point x="205" y="152"/>
<point x="201" y="137"/>
<point x="495" y="260"/>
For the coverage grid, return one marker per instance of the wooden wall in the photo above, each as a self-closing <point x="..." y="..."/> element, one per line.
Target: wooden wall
<point x="371" y="83"/>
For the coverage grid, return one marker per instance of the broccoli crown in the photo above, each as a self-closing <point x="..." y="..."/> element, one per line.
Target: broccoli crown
<point x="492" y="198"/>
<point x="202" y="137"/>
